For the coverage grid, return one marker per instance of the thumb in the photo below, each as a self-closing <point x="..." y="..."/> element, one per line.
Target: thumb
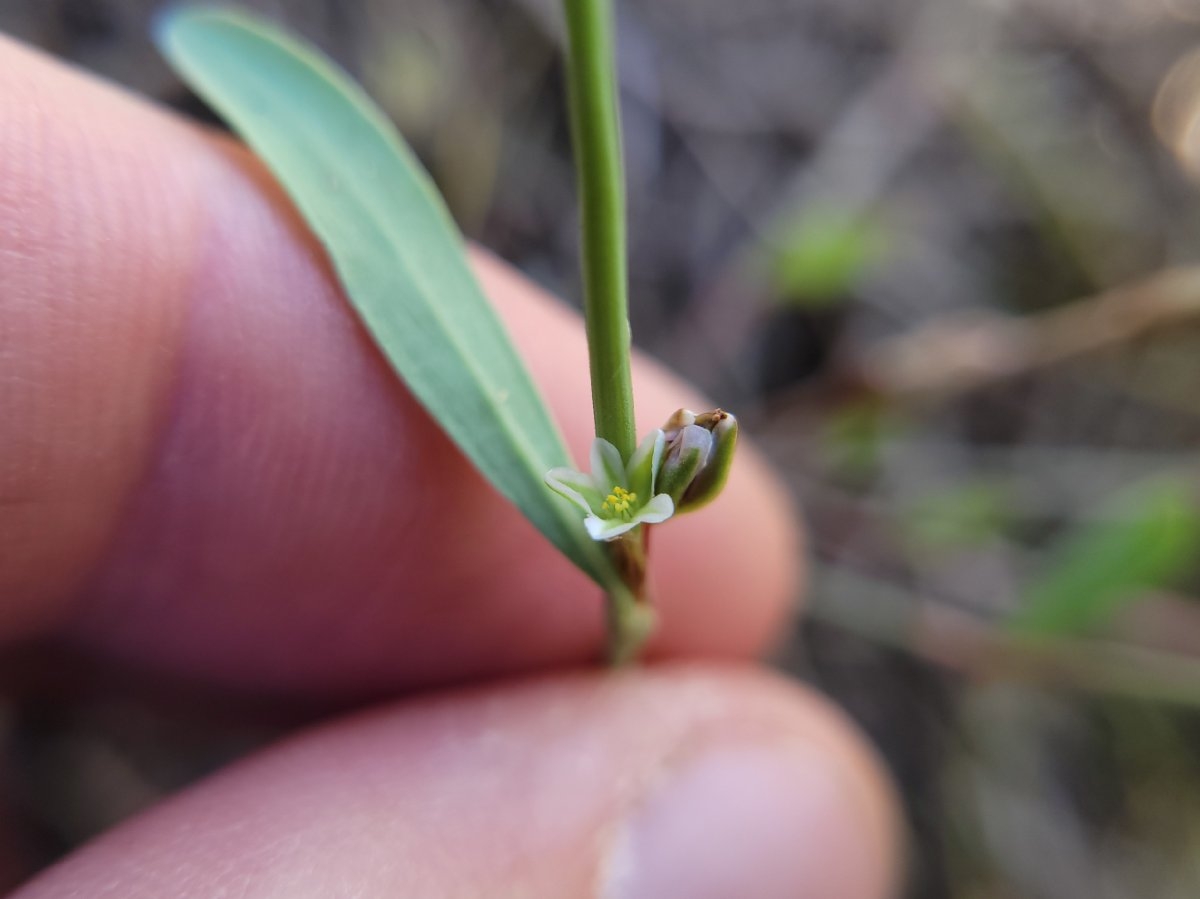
<point x="673" y="783"/>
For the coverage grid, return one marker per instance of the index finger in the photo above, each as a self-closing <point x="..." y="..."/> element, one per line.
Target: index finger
<point x="208" y="469"/>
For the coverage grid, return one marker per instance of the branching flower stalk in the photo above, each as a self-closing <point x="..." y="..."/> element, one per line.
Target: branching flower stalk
<point x="683" y="465"/>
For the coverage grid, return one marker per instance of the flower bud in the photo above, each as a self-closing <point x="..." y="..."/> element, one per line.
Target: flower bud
<point x="697" y="456"/>
<point x="684" y="455"/>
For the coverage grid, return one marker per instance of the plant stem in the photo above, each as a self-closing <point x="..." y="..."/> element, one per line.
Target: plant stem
<point x="630" y="622"/>
<point x="630" y="616"/>
<point x="596" y="134"/>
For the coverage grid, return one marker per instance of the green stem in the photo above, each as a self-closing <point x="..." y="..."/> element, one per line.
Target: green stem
<point x="630" y="623"/>
<point x="630" y="616"/>
<point x="596" y="134"/>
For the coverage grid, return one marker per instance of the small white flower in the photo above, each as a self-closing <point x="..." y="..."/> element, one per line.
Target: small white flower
<point x="616" y="497"/>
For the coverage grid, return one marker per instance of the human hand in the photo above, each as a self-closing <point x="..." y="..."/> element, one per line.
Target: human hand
<point x="207" y="471"/>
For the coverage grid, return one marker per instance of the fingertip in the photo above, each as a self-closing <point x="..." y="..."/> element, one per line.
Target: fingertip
<point x="678" y="783"/>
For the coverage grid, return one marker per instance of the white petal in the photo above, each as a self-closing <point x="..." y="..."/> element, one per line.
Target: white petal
<point x="644" y="463"/>
<point x="607" y="529"/>
<point x="572" y="484"/>
<point x="657" y="510"/>
<point x="608" y="470"/>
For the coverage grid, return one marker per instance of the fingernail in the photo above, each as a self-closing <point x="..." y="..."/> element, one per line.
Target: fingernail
<point x="778" y="822"/>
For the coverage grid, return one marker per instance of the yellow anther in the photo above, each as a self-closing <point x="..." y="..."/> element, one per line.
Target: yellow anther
<point x="619" y="502"/>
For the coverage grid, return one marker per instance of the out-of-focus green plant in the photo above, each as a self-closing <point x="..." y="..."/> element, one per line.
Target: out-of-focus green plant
<point x="852" y="440"/>
<point x="962" y="516"/>
<point x="819" y="255"/>
<point x="1144" y="537"/>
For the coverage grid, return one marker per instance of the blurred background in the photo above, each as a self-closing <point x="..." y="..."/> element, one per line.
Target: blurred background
<point x="942" y="257"/>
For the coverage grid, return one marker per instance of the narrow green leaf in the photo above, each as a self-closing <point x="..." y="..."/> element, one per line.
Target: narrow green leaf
<point x="394" y="246"/>
<point x="1145" y="537"/>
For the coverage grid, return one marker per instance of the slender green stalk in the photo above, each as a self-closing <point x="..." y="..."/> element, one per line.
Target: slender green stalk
<point x="631" y="621"/>
<point x="596" y="134"/>
<point x="631" y="618"/>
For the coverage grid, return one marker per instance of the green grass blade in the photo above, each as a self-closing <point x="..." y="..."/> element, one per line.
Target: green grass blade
<point x="1147" y="536"/>
<point x="394" y="246"/>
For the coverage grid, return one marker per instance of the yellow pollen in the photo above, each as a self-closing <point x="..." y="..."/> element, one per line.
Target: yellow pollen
<point x="619" y="502"/>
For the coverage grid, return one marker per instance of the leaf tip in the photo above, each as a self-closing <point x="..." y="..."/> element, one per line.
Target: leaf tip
<point x="175" y="20"/>
<point x="165" y="21"/>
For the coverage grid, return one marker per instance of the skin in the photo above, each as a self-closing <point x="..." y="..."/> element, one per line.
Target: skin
<point x="208" y="474"/>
